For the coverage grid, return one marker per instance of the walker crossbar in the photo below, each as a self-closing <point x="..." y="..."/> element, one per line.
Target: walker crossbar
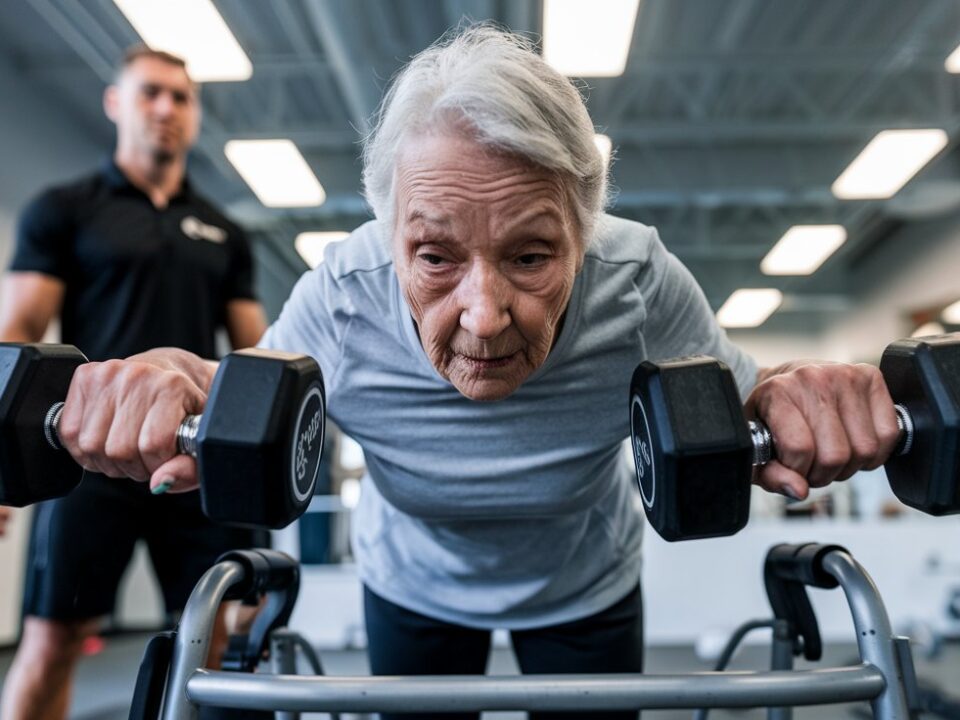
<point x="882" y="677"/>
<point x="471" y="693"/>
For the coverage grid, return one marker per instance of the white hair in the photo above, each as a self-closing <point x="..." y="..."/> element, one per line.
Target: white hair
<point x="511" y="100"/>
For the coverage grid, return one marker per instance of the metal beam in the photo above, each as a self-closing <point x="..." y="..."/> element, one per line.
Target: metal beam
<point x="357" y="88"/>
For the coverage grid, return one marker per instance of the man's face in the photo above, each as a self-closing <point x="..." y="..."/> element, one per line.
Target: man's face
<point x="486" y="251"/>
<point x="155" y="107"/>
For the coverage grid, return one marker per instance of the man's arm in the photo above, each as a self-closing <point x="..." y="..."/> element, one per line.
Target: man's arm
<point x="246" y="323"/>
<point x="28" y="302"/>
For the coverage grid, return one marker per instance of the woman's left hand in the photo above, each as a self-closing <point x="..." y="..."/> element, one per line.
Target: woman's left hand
<point x="828" y="420"/>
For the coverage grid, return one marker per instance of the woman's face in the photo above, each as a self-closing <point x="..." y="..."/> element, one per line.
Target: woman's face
<point x="486" y="249"/>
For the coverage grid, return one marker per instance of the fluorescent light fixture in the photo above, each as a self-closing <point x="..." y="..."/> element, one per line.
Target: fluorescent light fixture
<point x="952" y="63"/>
<point x="588" y="39"/>
<point x="951" y="314"/>
<point x="604" y="145"/>
<point x="350" y="493"/>
<point x="888" y="162"/>
<point x="927" y="329"/>
<point x="351" y="454"/>
<point x="310" y="245"/>
<point x="192" y="30"/>
<point x="749" y="308"/>
<point x="802" y="249"/>
<point x="276" y="172"/>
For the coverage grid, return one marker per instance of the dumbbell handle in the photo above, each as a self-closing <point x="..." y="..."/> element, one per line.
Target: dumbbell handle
<point x="764" y="450"/>
<point x="186" y="433"/>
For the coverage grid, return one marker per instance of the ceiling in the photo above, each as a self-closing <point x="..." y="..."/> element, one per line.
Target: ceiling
<point x="731" y="122"/>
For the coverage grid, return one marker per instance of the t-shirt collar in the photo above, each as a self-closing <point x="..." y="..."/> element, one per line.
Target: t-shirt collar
<point x="120" y="183"/>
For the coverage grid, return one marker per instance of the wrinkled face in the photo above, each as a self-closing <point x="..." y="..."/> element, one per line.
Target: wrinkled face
<point x="486" y="249"/>
<point x="155" y="108"/>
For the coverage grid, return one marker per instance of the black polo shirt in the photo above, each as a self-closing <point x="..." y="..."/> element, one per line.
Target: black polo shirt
<point x="136" y="277"/>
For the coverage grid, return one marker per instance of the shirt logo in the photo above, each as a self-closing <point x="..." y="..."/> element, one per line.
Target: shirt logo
<point x="196" y="230"/>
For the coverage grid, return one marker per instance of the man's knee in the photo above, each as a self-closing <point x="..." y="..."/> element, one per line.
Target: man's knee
<point x="55" y="643"/>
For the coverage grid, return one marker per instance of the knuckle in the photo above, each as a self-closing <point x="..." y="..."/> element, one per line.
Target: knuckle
<point x="85" y="372"/>
<point x="869" y="374"/>
<point x="103" y="372"/>
<point x="153" y="445"/>
<point x="120" y="449"/>
<point x="865" y="451"/>
<point x="69" y="430"/>
<point x="889" y="433"/>
<point x="795" y="447"/>
<point x="89" y="444"/>
<point x="834" y="458"/>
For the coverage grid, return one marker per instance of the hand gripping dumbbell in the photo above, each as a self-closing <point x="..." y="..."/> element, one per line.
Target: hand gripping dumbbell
<point x="257" y="443"/>
<point x="695" y="452"/>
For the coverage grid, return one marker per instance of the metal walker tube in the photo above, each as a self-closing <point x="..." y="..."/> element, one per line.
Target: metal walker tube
<point x="878" y="679"/>
<point x="875" y="637"/>
<point x="193" y="636"/>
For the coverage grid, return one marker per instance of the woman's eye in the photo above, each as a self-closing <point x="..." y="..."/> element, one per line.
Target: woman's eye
<point x="531" y="259"/>
<point x="431" y="259"/>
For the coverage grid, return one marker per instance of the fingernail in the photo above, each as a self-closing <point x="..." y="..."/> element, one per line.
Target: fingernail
<point x="164" y="485"/>
<point x="790" y="492"/>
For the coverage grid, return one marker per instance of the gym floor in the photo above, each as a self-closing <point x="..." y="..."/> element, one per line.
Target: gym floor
<point x="105" y="681"/>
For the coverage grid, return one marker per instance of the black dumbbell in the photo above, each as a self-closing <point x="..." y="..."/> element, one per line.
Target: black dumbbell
<point x="695" y="452"/>
<point x="257" y="444"/>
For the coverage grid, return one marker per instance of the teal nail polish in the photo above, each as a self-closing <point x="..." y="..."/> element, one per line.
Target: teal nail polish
<point x="162" y="487"/>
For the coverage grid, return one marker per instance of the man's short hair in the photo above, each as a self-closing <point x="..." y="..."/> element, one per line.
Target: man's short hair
<point x="135" y="52"/>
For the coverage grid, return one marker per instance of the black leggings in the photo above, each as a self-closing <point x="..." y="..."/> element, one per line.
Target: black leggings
<point x="402" y="642"/>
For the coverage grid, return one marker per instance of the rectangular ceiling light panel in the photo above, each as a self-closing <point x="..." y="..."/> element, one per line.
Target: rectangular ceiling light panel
<point x="749" y="308"/>
<point x="802" y="249"/>
<point x="952" y="63"/>
<point x="951" y="313"/>
<point x="192" y="30"/>
<point x="276" y="172"/>
<point x="604" y="145"/>
<point x="310" y="245"/>
<point x="888" y="162"/>
<point x="588" y="39"/>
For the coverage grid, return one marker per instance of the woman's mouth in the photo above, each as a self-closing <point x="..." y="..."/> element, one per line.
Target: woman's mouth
<point x="489" y="363"/>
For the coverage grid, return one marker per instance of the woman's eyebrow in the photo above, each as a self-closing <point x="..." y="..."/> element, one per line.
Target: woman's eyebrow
<point x="419" y="215"/>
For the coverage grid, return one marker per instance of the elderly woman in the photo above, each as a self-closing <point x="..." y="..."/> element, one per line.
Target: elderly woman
<point x="478" y="339"/>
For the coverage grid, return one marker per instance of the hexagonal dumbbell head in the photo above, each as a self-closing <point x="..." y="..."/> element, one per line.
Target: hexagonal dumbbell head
<point x="923" y="374"/>
<point x="32" y="379"/>
<point x="260" y="438"/>
<point x="691" y="446"/>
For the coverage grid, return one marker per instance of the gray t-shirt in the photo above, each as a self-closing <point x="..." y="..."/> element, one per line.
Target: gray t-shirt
<point x="517" y="513"/>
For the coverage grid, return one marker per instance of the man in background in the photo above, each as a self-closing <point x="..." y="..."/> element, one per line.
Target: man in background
<point x="129" y="258"/>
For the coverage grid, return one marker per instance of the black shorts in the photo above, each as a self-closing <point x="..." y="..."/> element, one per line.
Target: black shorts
<point x="81" y="544"/>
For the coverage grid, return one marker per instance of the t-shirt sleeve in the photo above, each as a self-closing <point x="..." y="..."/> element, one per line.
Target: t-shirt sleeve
<point x="679" y="320"/>
<point x="313" y="321"/>
<point x="44" y="238"/>
<point x="240" y="278"/>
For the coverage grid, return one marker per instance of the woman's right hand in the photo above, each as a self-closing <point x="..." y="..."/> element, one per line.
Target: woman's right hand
<point x="121" y="416"/>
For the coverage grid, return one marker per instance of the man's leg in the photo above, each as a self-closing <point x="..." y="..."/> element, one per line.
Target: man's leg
<point x="609" y="642"/>
<point x="402" y="642"/>
<point x="79" y="548"/>
<point x="183" y="545"/>
<point x="39" y="682"/>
